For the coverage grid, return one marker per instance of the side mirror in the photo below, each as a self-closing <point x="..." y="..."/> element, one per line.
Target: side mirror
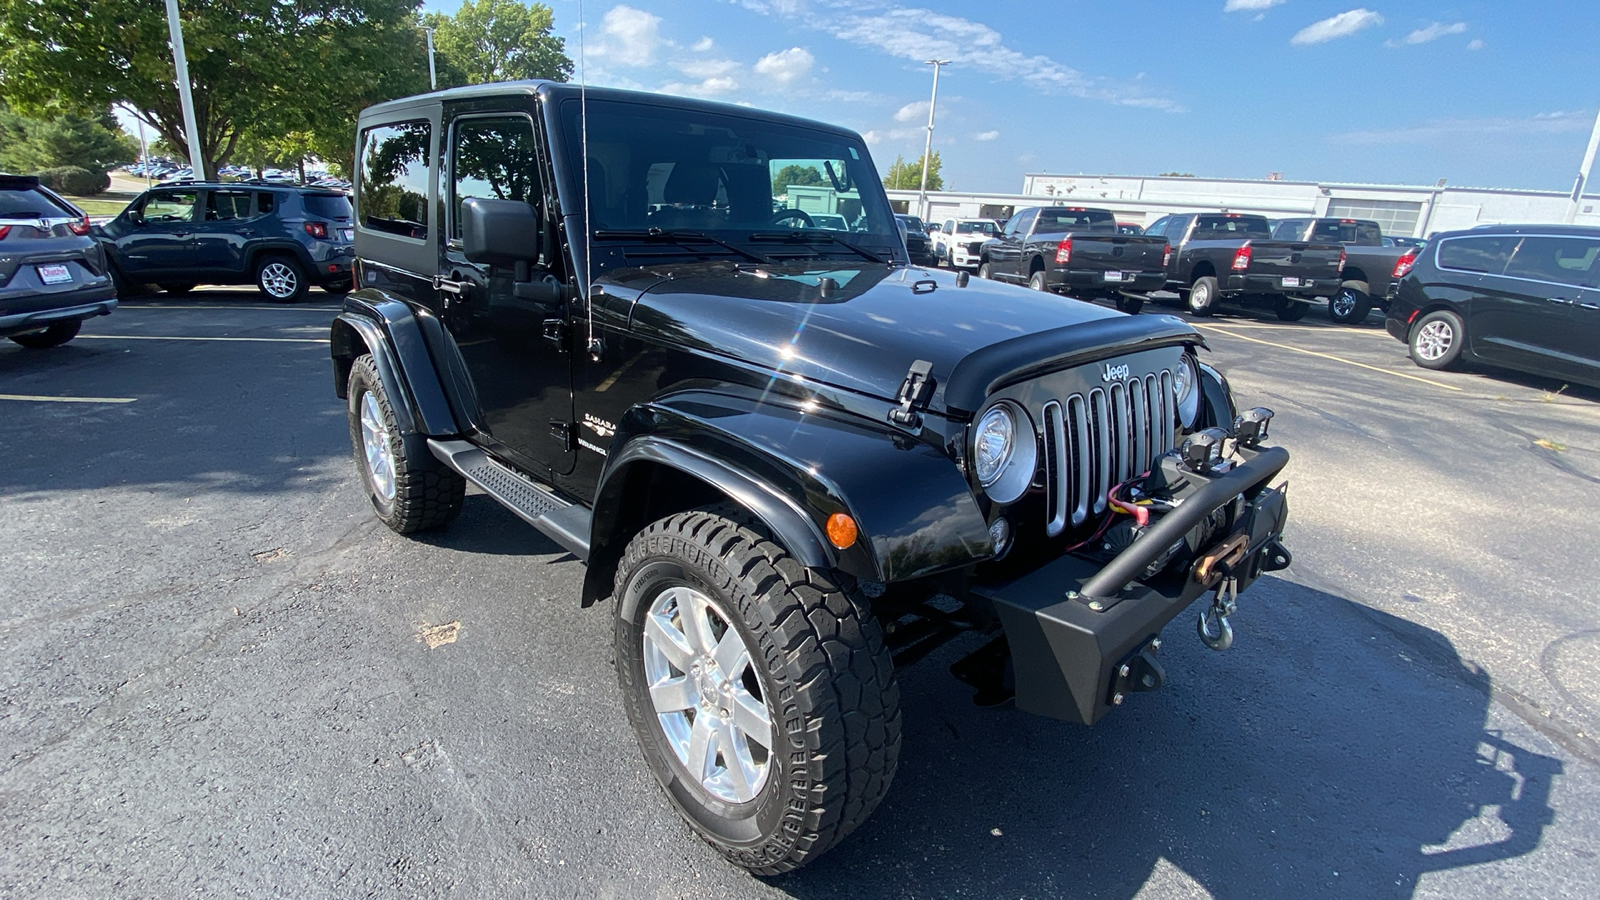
<point x="500" y="232"/>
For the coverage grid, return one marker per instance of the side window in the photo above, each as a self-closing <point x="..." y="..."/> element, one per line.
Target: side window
<point x="1368" y="234"/>
<point x="1159" y="227"/>
<point x="493" y="159"/>
<point x="226" y="206"/>
<point x="1558" y="259"/>
<point x="170" y="206"/>
<point x="393" y="193"/>
<point x="265" y="203"/>
<point x="949" y="226"/>
<point x="1012" y="223"/>
<point x="1488" y="254"/>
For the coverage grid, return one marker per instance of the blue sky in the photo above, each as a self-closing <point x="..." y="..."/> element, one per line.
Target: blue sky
<point x="1490" y="94"/>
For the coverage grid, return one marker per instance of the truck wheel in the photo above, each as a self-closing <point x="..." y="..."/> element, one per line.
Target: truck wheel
<point x="1351" y="305"/>
<point x="1292" y="310"/>
<point x="410" y="490"/>
<point x="281" y="279"/>
<point x="1203" y="296"/>
<point x="763" y="697"/>
<point x="984" y="271"/>
<point x="1036" y="281"/>
<point x="1129" y="305"/>
<point x="53" y="336"/>
<point x="1437" y="339"/>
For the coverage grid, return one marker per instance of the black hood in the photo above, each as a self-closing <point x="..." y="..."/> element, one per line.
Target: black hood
<point x="863" y="331"/>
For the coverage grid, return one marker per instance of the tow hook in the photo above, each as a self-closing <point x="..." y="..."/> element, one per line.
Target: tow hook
<point x="1223" y="605"/>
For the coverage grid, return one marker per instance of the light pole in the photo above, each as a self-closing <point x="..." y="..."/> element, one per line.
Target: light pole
<point x="433" y="77"/>
<point x="927" y="150"/>
<point x="1583" y="173"/>
<point x="180" y="62"/>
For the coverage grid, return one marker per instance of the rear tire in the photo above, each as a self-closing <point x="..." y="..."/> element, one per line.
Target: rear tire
<point x="1036" y="281"/>
<point x="1129" y="305"/>
<point x="1351" y="305"/>
<point x="410" y="490"/>
<point x="1437" y="340"/>
<point x="810" y="674"/>
<point x="1292" y="310"/>
<point x="281" y="279"/>
<point x="1203" y="296"/>
<point x="53" y="336"/>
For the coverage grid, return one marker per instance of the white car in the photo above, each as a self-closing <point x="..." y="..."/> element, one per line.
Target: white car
<point x="957" y="243"/>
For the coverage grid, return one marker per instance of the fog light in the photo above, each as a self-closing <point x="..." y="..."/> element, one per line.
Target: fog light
<point x="1202" y="451"/>
<point x="1000" y="535"/>
<point x="1251" y="426"/>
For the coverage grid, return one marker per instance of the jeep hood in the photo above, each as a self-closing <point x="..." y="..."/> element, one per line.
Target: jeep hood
<point x="865" y="329"/>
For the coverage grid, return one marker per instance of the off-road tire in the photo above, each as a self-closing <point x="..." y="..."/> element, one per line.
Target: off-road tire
<point x="53" y="336"/>
<point x="1291" y="310"/>
<point x="1436" y="341"/>
<point x="1202" y="299"/>
<point x="427" y="493"/>
<point x="281" y="279"/>
<point x="1355" y="302"/>
<point x="825" y="674"/>
<point x="1129" y="305"/>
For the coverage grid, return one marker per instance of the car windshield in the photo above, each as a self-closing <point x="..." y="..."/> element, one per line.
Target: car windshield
<point x="328" y="206"/>
<point x="687" y="170"/>
<point x="977" y="228"/>
<point x="912" y="222"/>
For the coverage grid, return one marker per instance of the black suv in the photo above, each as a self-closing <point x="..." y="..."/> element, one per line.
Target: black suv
<point x="795" y="462"/>
<point x="283" y="239"/>
<point x="52" y="273"/>
<point x="1525" y="297"/>
<point x="918" y="245"/>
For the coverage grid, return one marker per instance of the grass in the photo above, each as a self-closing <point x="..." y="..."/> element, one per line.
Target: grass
<point x="108" y="204"/>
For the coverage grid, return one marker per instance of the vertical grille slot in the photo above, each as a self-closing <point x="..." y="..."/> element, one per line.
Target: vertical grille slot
<point x="1102" y="460"/>
<point x="1057" y="483"/>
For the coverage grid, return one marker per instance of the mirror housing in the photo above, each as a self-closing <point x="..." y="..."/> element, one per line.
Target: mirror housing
<point x="500" y="232"/>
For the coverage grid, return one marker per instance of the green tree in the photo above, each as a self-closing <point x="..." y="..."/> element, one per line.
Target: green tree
<point x="906" y="176"/>
<point x="497" y="40"/>
<point x="793" y="174"/>
<point x="93" y="142"/>
<point x="267" y="67"/>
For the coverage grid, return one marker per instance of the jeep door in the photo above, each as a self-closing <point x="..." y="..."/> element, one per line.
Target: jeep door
<point x="152" y="240"/>
<point x="218" y="243"/>
<point x="515" y="349"/>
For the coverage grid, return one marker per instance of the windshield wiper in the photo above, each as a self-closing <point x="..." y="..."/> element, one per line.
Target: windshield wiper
<point x="813" y="237"/>
<point x="676" y="237"/>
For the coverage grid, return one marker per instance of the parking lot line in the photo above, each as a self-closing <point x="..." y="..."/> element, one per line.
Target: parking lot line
<point x="35" y="398"/>
<point x="158" y="337"/>
<point x="1339" y="359"/>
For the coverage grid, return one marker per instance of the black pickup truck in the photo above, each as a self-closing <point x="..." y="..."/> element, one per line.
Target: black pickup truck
<point x="1078" y="251"/>
<point x="1371" y="270"/>
<point x="795" y="463"/>
<point x="1232" y="256"/>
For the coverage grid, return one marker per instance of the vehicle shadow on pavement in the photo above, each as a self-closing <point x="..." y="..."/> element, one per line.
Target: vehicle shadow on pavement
<point x="1336" y="751"/>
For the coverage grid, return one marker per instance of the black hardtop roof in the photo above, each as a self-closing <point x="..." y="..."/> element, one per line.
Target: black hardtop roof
<point x="559" y="90"/>
<point x="1588" y="231"/>
<point x="12" y="182"/>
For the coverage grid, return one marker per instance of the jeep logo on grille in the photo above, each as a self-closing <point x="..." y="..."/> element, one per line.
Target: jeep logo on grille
<point x="1114" y="373"/>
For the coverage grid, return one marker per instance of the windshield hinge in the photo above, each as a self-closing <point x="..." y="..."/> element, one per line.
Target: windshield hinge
<point x="916" y="392"/>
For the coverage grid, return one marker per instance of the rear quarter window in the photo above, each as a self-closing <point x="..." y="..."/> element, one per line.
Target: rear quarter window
<point x="393" y="189"/>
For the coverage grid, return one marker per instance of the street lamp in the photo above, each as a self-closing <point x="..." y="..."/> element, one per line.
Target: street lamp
<point x="433" y="77"/>
<point x="180" y="63"/>
<point x="927" y="150"/>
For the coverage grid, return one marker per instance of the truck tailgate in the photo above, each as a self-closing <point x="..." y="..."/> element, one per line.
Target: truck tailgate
<point x="1292" y="259"/>
<point x="1125" y="252"/>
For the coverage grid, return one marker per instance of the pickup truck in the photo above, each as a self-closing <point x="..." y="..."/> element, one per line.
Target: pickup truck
<point x="1078" y="251"/>
<point x="1232" y="256"/>
<point x="958" y="242"/>
<point x="1372" y="269"/>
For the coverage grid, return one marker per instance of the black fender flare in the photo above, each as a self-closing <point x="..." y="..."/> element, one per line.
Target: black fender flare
<point x="382" y="324"/>
<point x="1218" y="410"/>
<point x="254" y="252"/>
<point x="793" y="468"/>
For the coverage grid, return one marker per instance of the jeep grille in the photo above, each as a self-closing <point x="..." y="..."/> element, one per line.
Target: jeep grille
<point x="1096" y="441"/>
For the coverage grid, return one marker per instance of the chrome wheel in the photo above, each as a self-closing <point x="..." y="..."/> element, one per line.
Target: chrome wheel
<point x="1343" y="303"/>
<point x="279" y="280"/>
<point x="1434" y="340"/>
<point x="375" y="446"/>
<point x="707" y="696"/>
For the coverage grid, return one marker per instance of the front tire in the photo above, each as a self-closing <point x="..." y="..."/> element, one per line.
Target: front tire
<point x="1437" y="340"/>
<point x="723" y="641"/>
<point x="409" y="489"/>
<point x="53" y="336"/>
<point x="1292" y="310"/>
<point x="1203" y="296"/>
<point x="282" y="279"/>
<point x="984" y="271"/>
<point x="1351" y="304"/>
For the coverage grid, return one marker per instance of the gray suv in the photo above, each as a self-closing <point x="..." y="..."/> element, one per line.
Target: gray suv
<point x="52" y="273"/>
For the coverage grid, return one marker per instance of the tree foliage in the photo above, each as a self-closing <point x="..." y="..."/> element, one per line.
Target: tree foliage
<point x="497" y="40"/>
<point x="59" y="139"/>
<point x="906" y="176"/>
<point x="256" y="67"/>
<point x="794" y="174"/>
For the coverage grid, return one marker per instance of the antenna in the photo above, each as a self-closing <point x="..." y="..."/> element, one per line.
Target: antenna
<point x="590" y="344"/>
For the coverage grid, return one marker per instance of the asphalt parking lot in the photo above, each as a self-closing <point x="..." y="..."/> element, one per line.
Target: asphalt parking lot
<point x="222" y="675"/>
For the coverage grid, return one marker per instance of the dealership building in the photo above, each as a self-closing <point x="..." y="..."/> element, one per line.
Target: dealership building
<point x="1400" y="209"/>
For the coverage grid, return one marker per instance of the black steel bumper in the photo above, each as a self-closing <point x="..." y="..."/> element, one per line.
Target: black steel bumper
<point x="1072" y="624"/>
<point x="1084" y="280"/>
<point x="1273" y="284"/>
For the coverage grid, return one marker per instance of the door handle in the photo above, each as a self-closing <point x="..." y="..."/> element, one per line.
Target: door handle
<point x="1590" y="305"/>
<point x="1562" y="300"/>
<point x="180" y="234"/>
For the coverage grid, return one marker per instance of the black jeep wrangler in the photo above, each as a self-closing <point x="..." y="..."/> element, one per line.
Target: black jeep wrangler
<point x="795" y="462"/>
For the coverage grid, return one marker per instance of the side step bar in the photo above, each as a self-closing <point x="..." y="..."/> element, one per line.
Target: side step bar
<point x="565" y="523"/>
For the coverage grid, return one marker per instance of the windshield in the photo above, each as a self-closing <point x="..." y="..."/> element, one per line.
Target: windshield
<point x="687" y="170"/>
<point x="984" y="227"/>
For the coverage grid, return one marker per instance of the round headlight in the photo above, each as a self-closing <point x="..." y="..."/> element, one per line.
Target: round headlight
<point x="1186" y="384"/>
<point x="995" y="442"/>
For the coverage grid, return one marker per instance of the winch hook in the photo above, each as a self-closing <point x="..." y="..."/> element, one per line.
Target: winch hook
<point x="1222" y="606"/>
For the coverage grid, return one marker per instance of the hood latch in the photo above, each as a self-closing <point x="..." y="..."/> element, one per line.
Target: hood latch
<point x="916" y="392"/>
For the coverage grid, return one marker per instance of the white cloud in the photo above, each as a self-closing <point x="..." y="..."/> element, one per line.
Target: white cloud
<point x="1333" y="27"/>
<point x="785" y="66"/>
<point x="912" y="112"/>
<point x="1431" y="33"/>
<point x="986" y="136"/>
<point x="710" y="87"/>
<point x="1475" y="44"/>
<point x="706" y="68"/>
<point x="1253" y="5"/>
<point x="705" y="43"/>
<point x="629" y="37"/>
<point x="1452" y="131"/>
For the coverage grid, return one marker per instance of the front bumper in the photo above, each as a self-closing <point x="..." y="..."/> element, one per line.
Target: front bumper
<point x="965" y="258"/>
<point x="1095" y="280"/>
<point x="1273" y="284"/>
<point x="1072" y="625"/>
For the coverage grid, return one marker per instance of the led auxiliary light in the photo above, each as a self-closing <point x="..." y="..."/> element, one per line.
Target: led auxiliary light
<point x="1251" y="426"/>
<point x="1204" y="450"/>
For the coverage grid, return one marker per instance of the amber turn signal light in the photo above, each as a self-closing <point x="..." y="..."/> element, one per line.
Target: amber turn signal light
<point x="842" y="531"/>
